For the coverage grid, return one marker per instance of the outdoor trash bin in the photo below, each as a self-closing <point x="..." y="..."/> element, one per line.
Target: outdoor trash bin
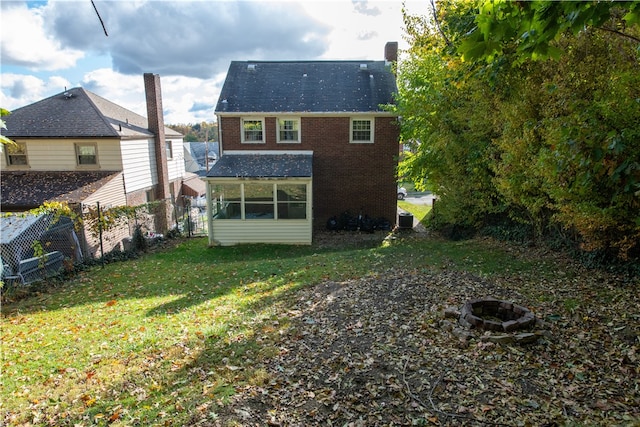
<point x="405" y="220"/>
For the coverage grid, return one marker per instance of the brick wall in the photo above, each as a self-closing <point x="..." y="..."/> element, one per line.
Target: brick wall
<point x="346" y="177"/>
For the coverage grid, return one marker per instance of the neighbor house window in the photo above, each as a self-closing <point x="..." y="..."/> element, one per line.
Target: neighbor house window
<point x="256" y="200"/>
<point x="16" y="154"/>
<point x="252" y="130"/>
<point x="86" y="154"/>
<point x="169" y="149"/>
<point x="289" y="130"/>
<point x="362" y="130"/>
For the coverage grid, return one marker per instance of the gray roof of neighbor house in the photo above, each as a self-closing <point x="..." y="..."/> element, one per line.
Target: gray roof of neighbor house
<point x="262" y="166"/>
<point x="21" y="190"/>
<point x="306" y="86"/>
<point x="77" y="113"/>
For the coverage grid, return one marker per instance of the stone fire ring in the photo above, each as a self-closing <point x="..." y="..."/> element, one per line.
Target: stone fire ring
<point x="481" y="314"/>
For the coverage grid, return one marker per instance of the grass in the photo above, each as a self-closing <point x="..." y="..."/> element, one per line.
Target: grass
<point x="419" y="211"/>
<point x="154" y="340"/>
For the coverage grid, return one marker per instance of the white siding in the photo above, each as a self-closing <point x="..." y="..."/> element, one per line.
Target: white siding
<point x="232" y="232"/>
<point x="110" y="194"/>
<point x="60" y="155"/>
<point x="175" y="166"/>
<point x="139" y="161"/>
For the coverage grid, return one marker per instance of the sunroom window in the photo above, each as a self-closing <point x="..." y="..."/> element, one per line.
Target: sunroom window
<point x="255" y="200"/>
<point x="292" y="201"/>
<point x="258" y="201"/>
<point x="226" y="201"/>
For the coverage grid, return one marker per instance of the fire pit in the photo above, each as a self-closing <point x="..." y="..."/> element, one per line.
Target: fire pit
<point x="496" y="315"/>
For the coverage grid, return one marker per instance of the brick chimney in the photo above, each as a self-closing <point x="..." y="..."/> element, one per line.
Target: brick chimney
<point x="391" y="52"/>
<point x="155" y="118"/>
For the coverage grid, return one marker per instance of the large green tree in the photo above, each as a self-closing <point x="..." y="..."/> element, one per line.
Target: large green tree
<point x="498" y="130"/>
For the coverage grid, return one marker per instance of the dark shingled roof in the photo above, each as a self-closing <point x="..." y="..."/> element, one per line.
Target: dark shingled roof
<point x="29" y="189"/>
<point x="76" y="113"/>
<point x="262" y="166"/>
<point x="306" y="86"/>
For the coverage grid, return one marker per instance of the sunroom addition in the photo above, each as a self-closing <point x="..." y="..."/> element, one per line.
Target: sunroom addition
<point x="260" y="198"/>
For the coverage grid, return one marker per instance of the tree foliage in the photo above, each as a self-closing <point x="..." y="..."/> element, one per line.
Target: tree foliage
<point x="3" y="139"/>
<point x="199" y="132"/>
<point x="549" y="143"/>
<point x="530" y="28"/>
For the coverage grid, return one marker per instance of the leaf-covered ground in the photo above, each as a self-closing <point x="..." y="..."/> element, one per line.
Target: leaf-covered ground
<point x="378" y="351"/>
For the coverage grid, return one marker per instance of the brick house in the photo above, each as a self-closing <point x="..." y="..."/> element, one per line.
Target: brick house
<point x="80" y="148"/>
<point x="300" y="142"/>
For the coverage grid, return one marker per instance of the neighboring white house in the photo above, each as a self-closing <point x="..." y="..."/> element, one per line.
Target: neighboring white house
<point x="80" y="148"/>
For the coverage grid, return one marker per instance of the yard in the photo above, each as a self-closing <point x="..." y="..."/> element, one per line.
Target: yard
<point x="349" y="331"/>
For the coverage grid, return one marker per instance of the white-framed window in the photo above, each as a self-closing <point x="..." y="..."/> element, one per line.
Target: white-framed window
<point x="16" y="154"/>
<point x="258" y="200"/>
<point x="169" y="149"/>
<point x="252" y="131"/>
<point x="86" y="154"/>
<point x="289" y="130"/>
<point x="361" y="131"/>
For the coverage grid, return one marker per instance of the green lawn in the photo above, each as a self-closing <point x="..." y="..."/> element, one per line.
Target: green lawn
<point x="154" y="340"/>
<point x="419" y="212"/>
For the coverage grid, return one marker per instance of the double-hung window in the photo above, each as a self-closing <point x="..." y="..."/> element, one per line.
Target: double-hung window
<point x="252" y="131"/>
<point x="86" y="154"/>
<point x="169" y="149"/>
<point x="16" y="154"/>
<point x="361" y="131"/>
<point x="288" y="130"/>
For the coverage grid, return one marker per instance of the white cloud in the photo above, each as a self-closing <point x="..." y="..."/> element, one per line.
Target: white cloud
<point x="179" y="94"/>
<point x="25" y="42"/>
<point x="19" y="90"/>
<point x="194" y="39"/>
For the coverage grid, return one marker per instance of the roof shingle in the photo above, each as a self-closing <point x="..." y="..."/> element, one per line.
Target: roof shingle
<point x="76" y="113"/>
<point x="30" y="189"/>
<point x="306" y="86"/>
<point x="262" y="166"/>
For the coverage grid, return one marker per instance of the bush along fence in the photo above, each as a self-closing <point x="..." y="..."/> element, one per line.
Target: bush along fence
<point x="57" y="237"/>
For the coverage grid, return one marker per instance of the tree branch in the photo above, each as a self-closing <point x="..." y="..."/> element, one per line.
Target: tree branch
<point x="636" y="39"/>
<point x="435" y="19"/>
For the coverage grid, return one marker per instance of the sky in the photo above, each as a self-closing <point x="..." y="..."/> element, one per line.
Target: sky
<point x="50" y="46"/>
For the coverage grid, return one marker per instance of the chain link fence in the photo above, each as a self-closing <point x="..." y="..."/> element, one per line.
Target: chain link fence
<point x="33" y="247"/>
<point x="36" y="246"/>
